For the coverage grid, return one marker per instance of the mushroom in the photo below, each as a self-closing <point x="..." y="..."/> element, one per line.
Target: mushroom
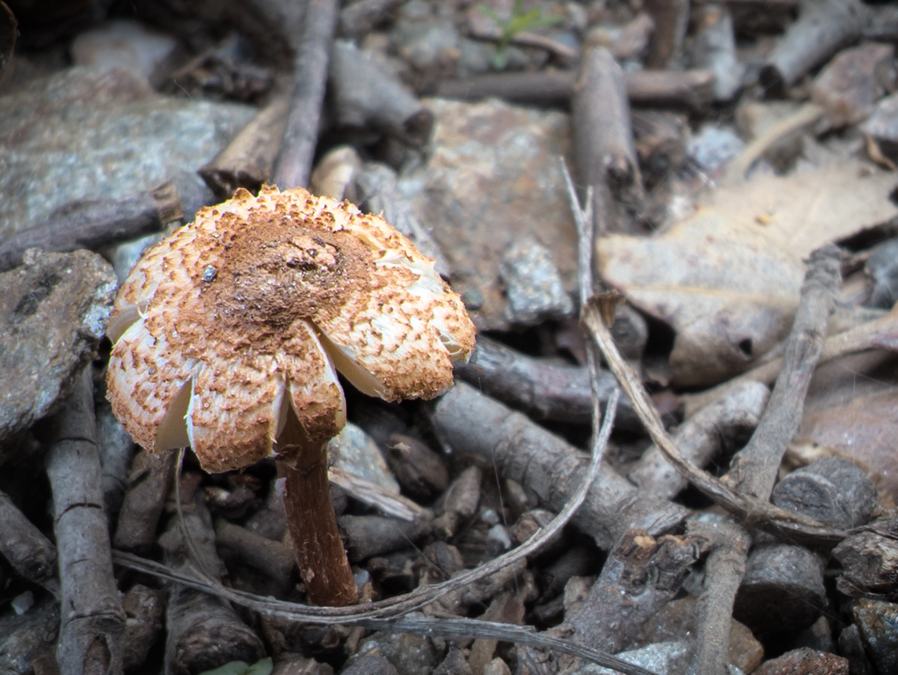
<point x="228" y="336"/>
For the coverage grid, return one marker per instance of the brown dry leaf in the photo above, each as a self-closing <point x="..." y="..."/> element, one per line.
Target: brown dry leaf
<point x="727" y="277"/>
<point x="852" y="412"/>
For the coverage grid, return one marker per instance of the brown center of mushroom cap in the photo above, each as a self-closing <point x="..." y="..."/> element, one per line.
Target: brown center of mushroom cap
<point x="277" y="271"/>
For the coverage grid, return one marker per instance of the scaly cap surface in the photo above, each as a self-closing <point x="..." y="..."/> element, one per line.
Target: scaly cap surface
<point x="235" y="323"/>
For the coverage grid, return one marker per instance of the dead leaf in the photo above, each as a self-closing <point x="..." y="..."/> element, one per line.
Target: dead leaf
<point x="852" y="412"/>
<point x="727" y="277"/>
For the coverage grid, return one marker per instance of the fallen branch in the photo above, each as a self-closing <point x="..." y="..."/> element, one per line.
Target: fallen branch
<point x="881" y="333"/>
<point x="604" y="152"/>
<point x="724" y="569"/>
<point x="92" y="621"/>
<point x="640" y="576"/>
<point x="755" y="467"/>
<point x="364" y="94"/>
<point x="95" y="223"/>
<point x="543" y="388"/>
<point x="823" y="26"/>
<point x="548" y="466"/>
<point x="294" y="163"/>
<point x="248" y="159"/>
<point x="701" y="437"/>
<point x="391" y="614"/>
<point x="758" y="513"/>
<point x="202" y="631"/>
<point x="25" y="547"/>
<point x="671" y="19"/>
<point x="690" y="89"/>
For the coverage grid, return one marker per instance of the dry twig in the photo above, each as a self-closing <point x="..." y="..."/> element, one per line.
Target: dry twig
<point x="392" y="614"/>
<point x="95" y="223"/>
<point x="294" y="163"/>
<point x="758" y="513"/>
<point x="92" y="621"/>
<point x="755" y="467"/>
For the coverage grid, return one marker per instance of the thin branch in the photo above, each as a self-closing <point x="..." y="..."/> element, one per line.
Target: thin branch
<point x="294" y="163"/>
<point x="427" y="594"/>
<point x="756" y="512"/>
<point x="390" y="614"/>
<point x="880" y="333"/>
<point x="92" y="621"/>
<point x="95" y="223"/>
<point x="755" y="467"/>
<point x="724" y="570"/>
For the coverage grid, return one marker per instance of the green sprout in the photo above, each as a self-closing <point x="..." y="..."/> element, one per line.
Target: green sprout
<point x="520" y="21"/>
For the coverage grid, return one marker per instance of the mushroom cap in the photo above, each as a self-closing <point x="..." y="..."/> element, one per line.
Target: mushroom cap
<point x="235" y="325"/>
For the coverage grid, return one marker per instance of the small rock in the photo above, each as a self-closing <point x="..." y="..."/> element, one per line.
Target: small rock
<point x="877" y="622"/>
<point x="144" y="609"/>
<point x="851" y="84"/>
<point x="713" y="146"/>
<point x="369" y="664"/>
<point x="662" y="657"/>
<point x="125" y="255"/>
<point x="22" y="602"/>
<point x="818" y="635"/>
<point x="677" y="618"/>
<point x="288" y="663"/>
<point x="53" y="313"/>
<point x="832" y="490"/>
<point x="496" y="667"/>
<point x="429" y="43"/>
<point x="782" y="589"/>
<point x="409" y="654"/>
<point x="533" y="285"/>
<point x="869" y="562"/>
<point x="124" y="44"/>
<point x="421" y="471"/>
<point x="356" y="453"/>
<point x="882" y="126"/>
<point x="804" y="661"/>
<point x="23" y="639"/>
<point x="455" y="663"/>
<point x="627" y="41"/>
<point x="851" y="646"/>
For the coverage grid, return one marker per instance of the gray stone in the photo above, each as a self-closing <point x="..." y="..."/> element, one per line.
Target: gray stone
<point x="356" y="453"/>
<point x="713" y="146"/>
<point x="124" y="44"/>
<point x="533" y="285"/>
<point x="410" y="654"/>
<point x="492" y="179"/>
<point x="89" y="133"/>
<point x="53" y="312"/>
<point x="28" y="637"/>
<point x="878" y="624"/>
<point x="661" y="657"/>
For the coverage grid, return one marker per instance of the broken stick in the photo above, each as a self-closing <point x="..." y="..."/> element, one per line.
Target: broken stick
<point x="92" y="621"/>
<point x="822" y="27"/>
<point x="545" y="464"/>
<point x="294" y="163"/>
<point x="95" y="223"/>
<point x="604" y="151"/>
<point x="756" y="466"/>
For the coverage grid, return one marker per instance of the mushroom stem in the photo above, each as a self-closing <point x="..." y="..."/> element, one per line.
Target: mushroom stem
<point x="322" y="561"/>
